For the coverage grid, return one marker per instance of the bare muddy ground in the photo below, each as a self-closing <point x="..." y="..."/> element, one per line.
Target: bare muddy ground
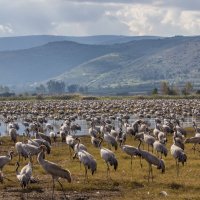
<point x="44" y="194"/>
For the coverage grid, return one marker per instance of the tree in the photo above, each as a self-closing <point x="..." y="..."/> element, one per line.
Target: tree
<point x="187" y="88"/>
<point x="4" y="89"/>
<point x="164" y="88"/>
<point x="155" y="91"/>
<point x="40" y="89"/>
<point x="72" y="88"/>
<point x="56" y="87"/>
<point x="83" y="89"/>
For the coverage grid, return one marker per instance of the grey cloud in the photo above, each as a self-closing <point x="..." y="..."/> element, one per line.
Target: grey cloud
<point x="74" y="17"/>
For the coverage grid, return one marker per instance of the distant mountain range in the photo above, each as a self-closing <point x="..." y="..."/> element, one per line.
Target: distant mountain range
<point x="100" y="61"/>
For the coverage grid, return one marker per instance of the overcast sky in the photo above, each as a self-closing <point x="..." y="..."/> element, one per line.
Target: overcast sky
<point x="97" y="17"/>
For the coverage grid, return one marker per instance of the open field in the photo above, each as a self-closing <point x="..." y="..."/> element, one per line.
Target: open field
<point x="124" y="183"/>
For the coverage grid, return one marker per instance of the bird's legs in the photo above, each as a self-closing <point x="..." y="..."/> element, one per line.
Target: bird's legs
<point x="131" y="167"/>
<point x="63" y="190"/>
<point x="177" y="167"/>
<point x="140" y="161"/>
<point x="53" y="187"/>
<point x="86" y="176"/>
<point x="70" y="152"/>
<point x="151" y="173"/>
<point x="194" y="147"/>
<point x="19" y="158"/>
<point x="131" y="162"/>
<point x="108" y="171"/>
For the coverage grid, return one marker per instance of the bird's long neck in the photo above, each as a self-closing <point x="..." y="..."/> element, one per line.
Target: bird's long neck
<point x="40" y="157"/>
<point x="10" y="155"/>
<point x="101" y="140"/>
<point x="17" y="172"/>
<point x="195" y="126"/>
<point x="139" y="145"/>
<point x="78" y="142"/>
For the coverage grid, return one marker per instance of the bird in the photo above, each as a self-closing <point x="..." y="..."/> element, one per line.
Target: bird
<point x="159" y="147"/>
<point x="180" y="129"/>
<point x="24" y="176"/>
<point x="129" y="150"/>
<point x="110" y="140"/>
<point x="151" y="160"/>
<point x="109" y="157"/>
<point x="194" y="140"/>
<point x="70" y="140"/>
<point x="41" y="142"/>
<point x="197" y="129"/>
<point x="148" y="139"/>
<point x="178" y="139"/>
<point x="53" y="136"/>
<point x="88" y="161"/>
<point x="178" y="154"/>
<point x="13" y="134"/>
<point x="39" y="135"/>
<point x="53" y="169"/>
<point x="31" y="149"/>
<point x="78" y="147"/>
<point x="21" y="151"/>
<point x="4" y="160"/>
<point x="95" y="141"/>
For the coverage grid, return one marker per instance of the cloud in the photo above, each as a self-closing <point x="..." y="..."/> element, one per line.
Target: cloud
<point x="89" y="17"/>
<point x="149" y="20"/>
<point x="5" y="29"/>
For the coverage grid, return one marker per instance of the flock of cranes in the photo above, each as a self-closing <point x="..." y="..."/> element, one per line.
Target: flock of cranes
<point x="39" y="136"/>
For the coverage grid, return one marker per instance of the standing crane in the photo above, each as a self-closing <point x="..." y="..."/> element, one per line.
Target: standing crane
<point x="24" y="176"/>
<point x="4" y="160"/>
<point x="131" y="151"/>
<point x="151" y="160"/>
<point x="53" y="169"/>
<point x="178" y="154"/>
<point x="109" y="157"/>
<point x="88" y="161"/>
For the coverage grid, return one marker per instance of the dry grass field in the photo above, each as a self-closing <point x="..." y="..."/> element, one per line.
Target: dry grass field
<point x="124" y="183"/>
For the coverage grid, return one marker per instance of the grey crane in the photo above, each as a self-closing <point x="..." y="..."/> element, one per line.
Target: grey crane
<point x="88" y="161"/>
<point x="110" y="140"/>
<point x="78" y="147"/>
<point x="20" y="150"/>
<point x="179" y="128"/>
<point x="43" y="136"/>
<point x="109" y="157"/>
<point x="179" y="155"/>
<point x="197" y="129"/>
<point x="70" y="142"/>
<point x="148" y="139"/>
<point x="4" y="160"/>
<point x="95" y="141"/>
<point x="151" y="160"/>
<point x="131" y="151"/>
<point x="160" y="148"/>
<point x="24" y="176"/>
<point x="13" y="134"/>
<point x="53" y="169"/>
<point x="41" y="142"/>
<point x="178" y="139"/>
<point x="194" y="140"/>
<point x="53" y="136"/>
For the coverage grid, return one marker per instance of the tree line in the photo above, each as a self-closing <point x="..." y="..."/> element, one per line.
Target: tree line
<point x="173" y="89"/>
<point x="59" y="87"/>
